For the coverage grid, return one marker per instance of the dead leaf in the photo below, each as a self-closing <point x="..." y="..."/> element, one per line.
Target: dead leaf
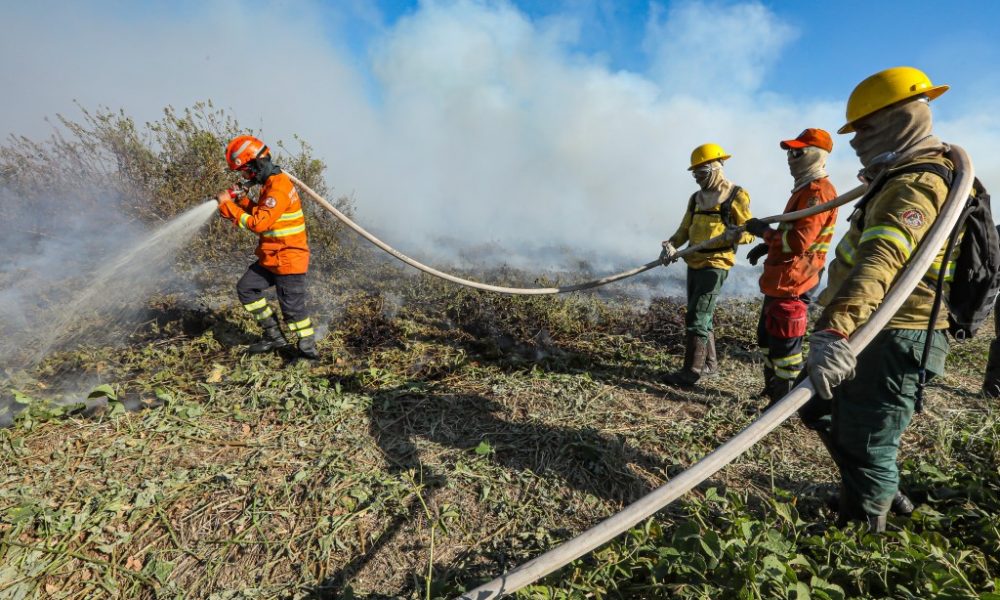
<point x="216" y="375"/>
<point x="51" y="588"/>
<point x="133" y="564"/>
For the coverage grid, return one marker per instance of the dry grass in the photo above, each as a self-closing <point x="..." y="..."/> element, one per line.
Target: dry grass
<point x="443" y="432"/>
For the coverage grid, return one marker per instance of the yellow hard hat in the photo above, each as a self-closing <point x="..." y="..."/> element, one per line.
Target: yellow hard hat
<point x="706" y="153"/>
<point x="886" y="88"/>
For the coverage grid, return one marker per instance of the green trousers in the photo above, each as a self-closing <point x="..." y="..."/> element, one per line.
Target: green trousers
<point x="862" y="425"/>
<point x="703" y="286"/>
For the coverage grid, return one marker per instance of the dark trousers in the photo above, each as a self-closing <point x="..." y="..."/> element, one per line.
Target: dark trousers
<point x="291" y="291"/>
<point x="703" y="287"/>
<point x="782" y="349"/>
<point x="862" y="426"/>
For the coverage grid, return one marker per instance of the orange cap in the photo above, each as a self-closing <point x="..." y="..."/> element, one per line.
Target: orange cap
<point x="810" y="137"/>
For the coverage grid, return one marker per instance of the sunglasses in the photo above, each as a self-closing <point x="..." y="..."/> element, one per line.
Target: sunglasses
<point x="796" y="152"/>
<point x="703" y="170"/>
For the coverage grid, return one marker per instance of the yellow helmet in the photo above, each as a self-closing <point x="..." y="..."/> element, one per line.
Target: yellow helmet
<point x="886" y="88"/>
<point x="706" y="153"/>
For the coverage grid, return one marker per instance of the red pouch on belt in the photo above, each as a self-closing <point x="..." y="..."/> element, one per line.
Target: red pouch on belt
<point x="786" y="318"/>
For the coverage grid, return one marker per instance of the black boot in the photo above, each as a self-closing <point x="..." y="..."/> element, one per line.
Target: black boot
<point x="876" y="523"/>
<point x="991" y="383"/>
<point x="777" y="388"/>
<point x="695" y="353"/>
<point x="272" y="339"/>
<point x="307" y="347"/>
<point x="901" y="504"/>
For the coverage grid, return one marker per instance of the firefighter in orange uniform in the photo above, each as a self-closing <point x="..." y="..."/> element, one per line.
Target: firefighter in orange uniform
<point x="282" y="252"/>
<point x="796" y="255"/>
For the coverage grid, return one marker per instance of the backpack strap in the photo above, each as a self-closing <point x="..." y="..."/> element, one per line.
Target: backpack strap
<point x="876" y="186"/>
<point x="948" y="176"/>
<point x="725" y="213"/>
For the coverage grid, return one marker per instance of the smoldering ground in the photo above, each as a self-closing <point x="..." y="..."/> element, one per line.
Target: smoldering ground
<point x="80" y="278"/>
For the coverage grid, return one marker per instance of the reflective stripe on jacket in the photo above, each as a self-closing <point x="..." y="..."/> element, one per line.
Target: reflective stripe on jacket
<point x="277" y="218"/>
<point x="877" y="247"/>
<point x="797" y="250"/>
<point x="700" y="225"/>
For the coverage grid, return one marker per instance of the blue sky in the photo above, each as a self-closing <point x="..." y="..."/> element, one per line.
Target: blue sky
<point x="536" y="130"/>
<point x="834" y="43"/>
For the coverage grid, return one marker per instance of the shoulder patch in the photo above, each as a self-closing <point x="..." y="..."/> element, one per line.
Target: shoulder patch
<point x="912" y="217"/>
<point x="270" y="202"/>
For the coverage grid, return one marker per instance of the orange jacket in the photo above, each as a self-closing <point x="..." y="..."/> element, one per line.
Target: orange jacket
<point x="797" y="250"/>
<point x="277" y="218"/>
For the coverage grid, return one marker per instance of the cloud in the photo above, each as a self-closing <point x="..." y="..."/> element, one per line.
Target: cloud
<point x="710" y="49"/>
<point x="462" y="124"/>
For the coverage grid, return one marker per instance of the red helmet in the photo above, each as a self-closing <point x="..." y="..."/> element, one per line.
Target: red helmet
<point x="243" y="149"/>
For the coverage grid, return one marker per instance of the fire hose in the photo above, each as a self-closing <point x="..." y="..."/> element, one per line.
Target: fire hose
<point x="656" y="500"/>
<point x="710" y="243"/>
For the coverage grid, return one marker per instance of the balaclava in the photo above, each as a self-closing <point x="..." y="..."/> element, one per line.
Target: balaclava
<point x="262" y="168"/>
<point x="808" y="167"/>
<point x="714" y="186"/>
<point x="894" y="131"/>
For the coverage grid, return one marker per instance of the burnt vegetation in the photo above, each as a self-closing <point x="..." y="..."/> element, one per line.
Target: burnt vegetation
<point x="444" y="436"/>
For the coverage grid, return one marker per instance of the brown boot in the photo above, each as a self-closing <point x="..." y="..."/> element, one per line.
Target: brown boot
<point x="711" y="358"/>
<point x="695" y="353"/>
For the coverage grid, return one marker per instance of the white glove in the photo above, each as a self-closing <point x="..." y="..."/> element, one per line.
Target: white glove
<point x="732" y="235"/>
<point x="668" y="254"/>
<point x="830" y="363"/>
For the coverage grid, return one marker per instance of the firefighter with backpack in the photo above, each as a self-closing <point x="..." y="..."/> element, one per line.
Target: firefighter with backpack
<point x="863" y="404"/>
<point x="715" y="209"/>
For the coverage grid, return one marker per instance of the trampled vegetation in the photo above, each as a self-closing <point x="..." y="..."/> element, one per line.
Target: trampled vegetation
<point x="445" y="435"/>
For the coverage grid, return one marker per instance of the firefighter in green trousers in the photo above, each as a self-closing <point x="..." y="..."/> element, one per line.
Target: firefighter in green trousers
<point x="714" y="210"/>
<point x="864" y="403"/>
<point x="991" y="382"/>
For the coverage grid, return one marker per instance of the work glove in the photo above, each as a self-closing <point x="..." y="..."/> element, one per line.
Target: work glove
<point x="830" y="363"/>
<point x="668" y="254"/>
<point x="757" y="227"/>
<point x="732" y="235"/>
<point x="756" y="253"/>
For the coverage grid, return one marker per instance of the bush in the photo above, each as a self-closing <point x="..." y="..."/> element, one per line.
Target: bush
<point x="108" y="167"/>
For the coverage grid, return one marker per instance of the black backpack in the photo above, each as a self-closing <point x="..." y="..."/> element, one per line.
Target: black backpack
<point x="974" y="288"/>
<point x="977" y="270"/>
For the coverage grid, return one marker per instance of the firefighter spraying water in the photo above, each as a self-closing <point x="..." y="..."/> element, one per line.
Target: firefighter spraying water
<point x="282" y="250"/>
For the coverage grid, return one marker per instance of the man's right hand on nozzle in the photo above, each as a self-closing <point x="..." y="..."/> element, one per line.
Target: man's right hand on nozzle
<point x="668" y="254"/>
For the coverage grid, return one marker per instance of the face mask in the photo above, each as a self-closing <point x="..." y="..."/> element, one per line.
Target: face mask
<point x="710" y="176"/>
<point x="261" y="169"/>
<point x="806" y="165"/>
<point x="880" y="139"/>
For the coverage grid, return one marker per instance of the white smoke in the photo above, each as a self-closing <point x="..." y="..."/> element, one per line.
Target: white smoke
<point x="467" y="124"/>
